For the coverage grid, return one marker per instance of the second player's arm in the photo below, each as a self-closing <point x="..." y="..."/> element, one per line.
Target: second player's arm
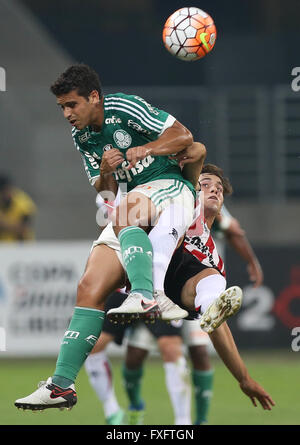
<point x="227" y="350"/>
<point x="225" y="346"/>
<point x="106" y="183"/>
<point x="238" y="240"/>
<point x="173" y="140"/>
<point x="192" y="161"/>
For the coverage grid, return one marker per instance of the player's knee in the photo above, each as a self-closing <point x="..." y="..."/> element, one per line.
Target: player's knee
<point x="170" y="348"/>
<point x="187" y="300"/>
<point x="200" y="357"/>
<point x="83" y="289"/>
<point x="88" y="294"/>
<point x="135" y="357"/>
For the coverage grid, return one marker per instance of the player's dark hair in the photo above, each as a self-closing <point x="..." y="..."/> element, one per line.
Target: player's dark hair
<point x="212" y="169"/>
<point x="81" y="78"/>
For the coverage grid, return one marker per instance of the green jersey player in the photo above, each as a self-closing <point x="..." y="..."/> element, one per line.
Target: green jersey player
<point x="121" y="137"/>
<point x="128" y="121"/>
<point x="130" y="138"/>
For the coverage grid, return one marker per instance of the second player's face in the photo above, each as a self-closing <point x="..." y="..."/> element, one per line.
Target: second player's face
<point x="211" y="185"/>
<point x="79" y="111"/>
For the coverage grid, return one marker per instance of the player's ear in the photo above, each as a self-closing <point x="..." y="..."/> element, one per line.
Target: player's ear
<point x="94" y="97"/>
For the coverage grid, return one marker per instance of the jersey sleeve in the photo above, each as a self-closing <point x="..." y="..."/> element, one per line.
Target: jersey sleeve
<point x="91" y="164"/>
<point x="140" y="115"/>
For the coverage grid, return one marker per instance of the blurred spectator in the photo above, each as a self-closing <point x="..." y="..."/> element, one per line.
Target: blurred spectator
<point x="16" y="212"/>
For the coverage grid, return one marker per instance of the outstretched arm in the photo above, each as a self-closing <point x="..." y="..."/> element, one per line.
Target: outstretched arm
<point x="238" y="240"/>
<point x="225" y="346"/>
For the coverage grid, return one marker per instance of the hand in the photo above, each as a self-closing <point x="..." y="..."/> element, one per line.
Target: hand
<point x="186" y="156"/>
<point x="255" y="273"/>
<point x="181" y="157"/>
<point x="254" y="391"/>
<point x="192" y="153"/>
<point x="136" y="154"/>
<point x="110" y="160"/>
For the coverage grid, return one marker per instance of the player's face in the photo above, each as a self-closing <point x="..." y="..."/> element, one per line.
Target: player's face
<point x="211" y="185"/>
<point x="80" y="111"/>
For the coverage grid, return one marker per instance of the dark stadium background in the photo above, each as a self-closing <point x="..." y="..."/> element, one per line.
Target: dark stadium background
<point x="257" y="42"/>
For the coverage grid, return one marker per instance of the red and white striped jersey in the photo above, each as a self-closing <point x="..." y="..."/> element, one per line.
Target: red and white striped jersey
<point x="198" y="240"/>
<point x="199" y="243"/>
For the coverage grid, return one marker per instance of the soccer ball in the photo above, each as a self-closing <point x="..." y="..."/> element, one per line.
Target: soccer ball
<point x="189" y="34"/>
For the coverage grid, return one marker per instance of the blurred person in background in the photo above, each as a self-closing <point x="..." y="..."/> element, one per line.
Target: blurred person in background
<point x="16" y="212"/>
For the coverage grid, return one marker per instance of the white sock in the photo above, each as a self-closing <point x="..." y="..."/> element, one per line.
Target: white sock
<point x="99" y="371"/>
<point x="179" y="388"/>
<point x="164" y="238"/>
<point x="208" y="290"/>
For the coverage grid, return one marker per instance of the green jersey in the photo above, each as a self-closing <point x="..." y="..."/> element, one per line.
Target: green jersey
<point x="129" y="121"/>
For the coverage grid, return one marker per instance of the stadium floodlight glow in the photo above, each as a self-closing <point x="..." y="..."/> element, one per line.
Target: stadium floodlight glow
<point x="2" y="79"/>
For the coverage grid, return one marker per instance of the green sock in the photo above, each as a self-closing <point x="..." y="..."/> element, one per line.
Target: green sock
<point x="203" y="384"/>
<point x="80" y="338"/>
<point x="136" y="251"/>
<point x="132" y="379"/>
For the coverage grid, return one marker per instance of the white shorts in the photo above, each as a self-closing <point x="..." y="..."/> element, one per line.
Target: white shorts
<point x="192" y="335"/>
<point x="108" y="238"/>
<point x="141" y="337"/>
<point x="162" y="192"/>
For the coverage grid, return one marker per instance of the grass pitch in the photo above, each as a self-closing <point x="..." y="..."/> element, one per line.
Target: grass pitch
<point x="276" y="371"/>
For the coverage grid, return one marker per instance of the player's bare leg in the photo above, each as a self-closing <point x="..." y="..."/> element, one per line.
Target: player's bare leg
<point x="225" y="346"/>
<point x="132" y="217"/>
<point x="102" y="275"/>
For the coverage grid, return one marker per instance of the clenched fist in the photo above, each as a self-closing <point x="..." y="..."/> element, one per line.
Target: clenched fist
<point x="110" y="161"/>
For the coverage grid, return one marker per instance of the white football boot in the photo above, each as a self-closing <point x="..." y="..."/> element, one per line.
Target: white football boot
<point x="48" y="395"/>
<point x="226" y="305"/>
<point x="169" y="310"/>
<point x="135" y="306"/>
